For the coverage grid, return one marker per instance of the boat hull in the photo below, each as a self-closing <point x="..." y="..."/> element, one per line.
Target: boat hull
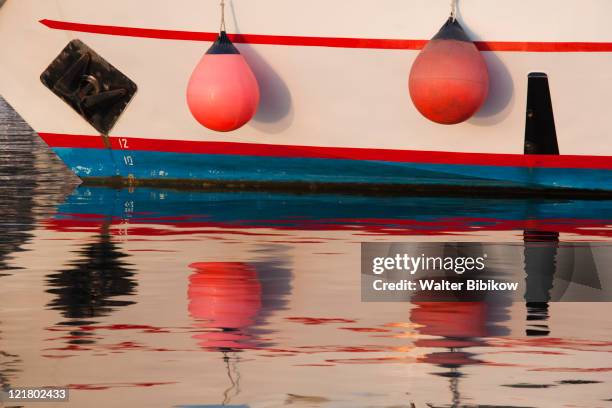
<point x="223" y="163"/>
<point x="334" y="106"/>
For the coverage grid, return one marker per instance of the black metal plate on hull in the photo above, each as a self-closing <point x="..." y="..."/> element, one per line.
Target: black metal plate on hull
<point x="94" y="88"/>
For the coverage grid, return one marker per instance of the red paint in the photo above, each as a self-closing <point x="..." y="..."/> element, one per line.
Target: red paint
<point x="345" y="153"/>
<point x="63" y="140"/>
<point x="337" y="42"/>
<point x="449" y="81"/>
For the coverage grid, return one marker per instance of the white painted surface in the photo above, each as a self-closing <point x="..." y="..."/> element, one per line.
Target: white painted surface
<point x="321" y="96"/>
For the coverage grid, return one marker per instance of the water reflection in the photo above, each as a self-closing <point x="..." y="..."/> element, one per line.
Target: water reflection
<point x="225" y="298"/>
<point x="32" y="182"/>
<point x="9" y="368"/>
<point x="18" y="186"/>
<point x="18" y="182"/>
<point x="452" y="328"/>
<point x="165" y="213"/>
<point x="540" y="268"/>
<point x="95" y="285"/>
<point x="456" y="327"/>
<point x="239" y="254"/>
<point x="330" y="212"/>
<point x="230" y="301"/>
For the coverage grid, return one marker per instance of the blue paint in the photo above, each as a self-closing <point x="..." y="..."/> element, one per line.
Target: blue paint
<point x="162" y="165"/>
<point x="89" y="162"/>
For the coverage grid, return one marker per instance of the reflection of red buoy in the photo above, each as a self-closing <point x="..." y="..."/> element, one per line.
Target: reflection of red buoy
<point x="449" y="80"/>
<point x="460" y="324"/>
<point x="224" y="296"/>
<point x="223" y="93"/>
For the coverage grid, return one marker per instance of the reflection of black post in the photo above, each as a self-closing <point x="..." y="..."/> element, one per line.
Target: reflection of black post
<point x="540" y="251"/>
<point x="90" y="287"/>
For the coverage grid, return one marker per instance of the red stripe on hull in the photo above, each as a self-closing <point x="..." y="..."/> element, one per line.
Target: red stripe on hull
<point x="64" y="140"/>
<point x="338" y="42"/>
<point x="345" y="153"/>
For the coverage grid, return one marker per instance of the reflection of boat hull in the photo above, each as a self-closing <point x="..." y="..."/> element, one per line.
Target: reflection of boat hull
<point x="334" y="105"/>
<point x="163" y="211"/>
<point x="263" y="218"/>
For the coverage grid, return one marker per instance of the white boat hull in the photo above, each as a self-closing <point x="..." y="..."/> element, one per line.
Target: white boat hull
<point x="345" y="97"/>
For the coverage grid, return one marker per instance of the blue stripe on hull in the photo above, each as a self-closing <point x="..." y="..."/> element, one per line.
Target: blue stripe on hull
<point x="87" y="162"/>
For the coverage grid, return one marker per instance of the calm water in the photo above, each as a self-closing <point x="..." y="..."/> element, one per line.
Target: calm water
<point x="152" y="298"/>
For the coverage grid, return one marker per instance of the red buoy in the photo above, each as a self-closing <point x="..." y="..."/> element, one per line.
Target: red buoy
<point x="223" y="93"/>
<point x="449" y="80"/>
